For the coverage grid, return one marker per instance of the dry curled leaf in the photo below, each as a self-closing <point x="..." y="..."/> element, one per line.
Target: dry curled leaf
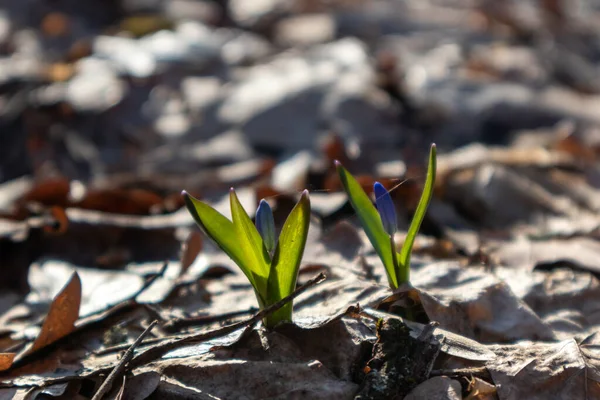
<point x="60" y="221"/>
<point x="191" y="249"/>
<point x="481" y="390"/>
<point x="64" y="311"/>
<point x="6" y="360"/>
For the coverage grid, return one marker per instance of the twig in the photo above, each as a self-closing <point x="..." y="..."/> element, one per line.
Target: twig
<point x="481" y="372"/>
<point x="120" y="367"/>
<point x="124" y="346"/>
<point x="174" y="324"/>
<point x="150" y="281"/>
<point x="178" y="323"/>
<point x="161" y="349"/>
<point x="427" y="331"/>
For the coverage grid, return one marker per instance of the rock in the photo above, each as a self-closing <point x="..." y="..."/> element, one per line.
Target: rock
<point x="511" y="62"/>
<point x="191" y="42"/>
<point x="126" y="55"/>
<point x="250" y="13"/>
<point x="437" y="388"/>
<point x="226" y="148"/>
<point x="5" y="27"/>
<point x="167" y="109"/>
<point x="290" y="174"/>
<point x="305" y="30"/>
<point x="241" y="47"/>
<point x="196" y="10"/>
<point x="286" y="104"/>
<point x="95" y="87"/>
<point x="200" y="92"/>
<point x="27" y="43"/>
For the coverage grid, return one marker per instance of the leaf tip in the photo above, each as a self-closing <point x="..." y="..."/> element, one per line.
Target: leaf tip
<point x="184" y="193"/>
<point x="337" y="163"/>
<point x="305" y="197"/>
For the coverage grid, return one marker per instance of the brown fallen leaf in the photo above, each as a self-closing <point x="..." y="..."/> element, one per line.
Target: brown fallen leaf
<point x="60" y="321"/>
<point x="50" y="192"/>
<point x="537" y="370"/>
<point x="120" y="201"/>
<point x="481" y="390"/>
<point x="6" y="360"/>
<point x="476" y="304"/>
<point x="60" y="221"/>
<point x="579" y="253"/>
<point x="191" y="248"/>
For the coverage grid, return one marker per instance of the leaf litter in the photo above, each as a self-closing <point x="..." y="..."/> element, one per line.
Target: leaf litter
<point x="96" y="245"/>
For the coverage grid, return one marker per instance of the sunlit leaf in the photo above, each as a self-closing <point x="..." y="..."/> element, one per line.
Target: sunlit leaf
<point x="370" y="221"/>
<point x="287" y="257"/>
<point x="273" y="279"/>
<point x="250" y="243"/>
<point x="404" y="261"/>
<point x="223" y="233"/>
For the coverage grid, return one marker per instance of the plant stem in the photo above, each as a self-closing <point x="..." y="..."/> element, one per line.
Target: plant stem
<point x="402" y="271"/>
<point x="395" y="261"/>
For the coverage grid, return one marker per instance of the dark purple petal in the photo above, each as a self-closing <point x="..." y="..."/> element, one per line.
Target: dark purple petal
<point x="265" y="224"/>
<point x="386" y="209"/>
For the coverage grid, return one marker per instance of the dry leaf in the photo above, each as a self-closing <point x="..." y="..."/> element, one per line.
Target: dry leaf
<point x="191" y="249"/>
<point x="6" y="360"/>
<point x="64" y="311"/>
<point x="438" y="388"/>
<point x="533" y="371"/>
<point x="481" y="390"/>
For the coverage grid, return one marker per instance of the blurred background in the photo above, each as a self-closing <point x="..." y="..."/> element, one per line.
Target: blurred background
<point x="94" y="89"/>
<point x="115" y="106"/>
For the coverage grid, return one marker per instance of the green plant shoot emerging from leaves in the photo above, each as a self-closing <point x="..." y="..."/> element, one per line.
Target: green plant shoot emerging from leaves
<point x="380" y="223"/>
<point x="270" y="265"/>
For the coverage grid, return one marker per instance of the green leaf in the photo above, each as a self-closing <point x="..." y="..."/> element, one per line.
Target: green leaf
<point x="250" y="243"/>
<point x="404" y="260"/>
<point x="370" y="221"/>
<point x="287" y="258"/>
<point x="223" y="233"/>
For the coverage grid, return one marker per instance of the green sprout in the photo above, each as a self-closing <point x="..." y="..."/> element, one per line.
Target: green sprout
<point x="380" y="223"/>
<point x="270" y="265"/>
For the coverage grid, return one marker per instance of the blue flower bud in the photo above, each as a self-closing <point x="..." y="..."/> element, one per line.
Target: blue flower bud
<point x="265" y="224"/>
<point x="386" y="209"/>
